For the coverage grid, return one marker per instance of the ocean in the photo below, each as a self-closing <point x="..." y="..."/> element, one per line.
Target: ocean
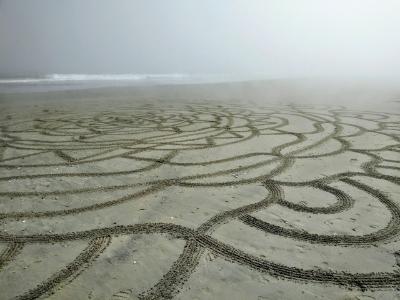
<point x="58" y="82"/>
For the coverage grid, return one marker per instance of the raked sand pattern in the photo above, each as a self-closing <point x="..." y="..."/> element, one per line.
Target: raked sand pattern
<point x="201" y="201"/>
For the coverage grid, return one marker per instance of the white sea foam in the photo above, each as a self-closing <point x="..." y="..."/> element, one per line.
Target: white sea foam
<point x="96" y="77"/>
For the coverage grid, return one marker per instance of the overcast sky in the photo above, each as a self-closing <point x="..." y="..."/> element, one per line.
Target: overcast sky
<point x="278" y="38"/>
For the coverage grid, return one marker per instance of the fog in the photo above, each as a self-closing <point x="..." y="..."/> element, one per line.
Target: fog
<point x="267" y="38"/>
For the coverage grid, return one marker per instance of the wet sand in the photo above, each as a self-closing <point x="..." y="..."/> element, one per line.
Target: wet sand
<point x="257" y="190"/>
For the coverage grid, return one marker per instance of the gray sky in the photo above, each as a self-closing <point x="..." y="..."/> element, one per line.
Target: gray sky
<point x="278" y="38"/>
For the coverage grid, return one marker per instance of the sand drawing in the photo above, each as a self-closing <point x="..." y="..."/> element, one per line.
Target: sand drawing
<point x="139" y="151"/>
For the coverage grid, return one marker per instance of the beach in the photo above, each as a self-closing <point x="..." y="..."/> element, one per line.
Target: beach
<point x="247" y="190"/>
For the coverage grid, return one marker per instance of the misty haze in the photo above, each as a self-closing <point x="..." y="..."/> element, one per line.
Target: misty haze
<point x="184" y="149"/>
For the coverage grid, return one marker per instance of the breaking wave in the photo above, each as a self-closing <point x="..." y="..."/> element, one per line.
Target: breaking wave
<point x="96" y="77"/>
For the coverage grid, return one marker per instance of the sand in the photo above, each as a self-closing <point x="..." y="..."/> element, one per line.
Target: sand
<point x="257" y="190"/>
